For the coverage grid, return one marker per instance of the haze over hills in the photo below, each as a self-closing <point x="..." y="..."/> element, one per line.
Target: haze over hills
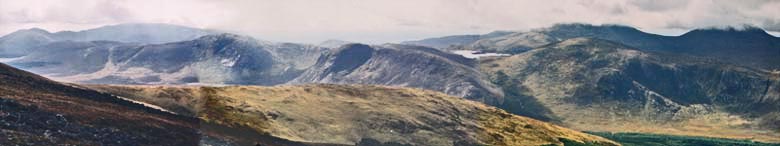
<point x="211" y="59"/>
<point x="21" y="42"/>
<point x="598" y="78"/>
<point x="745" y="45"/>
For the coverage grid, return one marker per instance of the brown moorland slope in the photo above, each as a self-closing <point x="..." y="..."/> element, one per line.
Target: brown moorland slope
<point x="38" y="111"/>
<point x="350" y="114"/>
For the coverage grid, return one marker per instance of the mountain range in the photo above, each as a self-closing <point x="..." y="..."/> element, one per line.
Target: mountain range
<point x="745" y="45"/>
<point x="38" y="111"/>
<point x="22" y="42"/>
<point x="716" y="82"/>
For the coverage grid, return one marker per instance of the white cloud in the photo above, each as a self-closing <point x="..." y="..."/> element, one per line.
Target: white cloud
<point x="382" y="20"/>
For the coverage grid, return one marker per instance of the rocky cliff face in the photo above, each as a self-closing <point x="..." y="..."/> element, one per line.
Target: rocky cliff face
<point x="588" y="82"/>
<point x="401" y="65"/>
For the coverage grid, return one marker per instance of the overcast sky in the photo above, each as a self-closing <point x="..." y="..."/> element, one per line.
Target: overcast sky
<point x="376" y="21"/>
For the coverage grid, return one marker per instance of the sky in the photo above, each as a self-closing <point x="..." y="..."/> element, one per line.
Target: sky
<point x="380" y="21"/>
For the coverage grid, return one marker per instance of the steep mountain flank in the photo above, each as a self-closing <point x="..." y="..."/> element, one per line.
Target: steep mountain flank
<point x="593" y="84"/>
<point x="402" y="65"/>
<point x="356" y="114"/>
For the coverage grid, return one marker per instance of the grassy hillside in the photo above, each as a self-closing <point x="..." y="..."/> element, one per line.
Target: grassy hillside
<point x="364" y="114"/>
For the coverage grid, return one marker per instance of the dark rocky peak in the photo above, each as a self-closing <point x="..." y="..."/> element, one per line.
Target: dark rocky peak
<point x="354" y="47"/>
<point x="745" y="32"/>
<point x="432" y="52"/>
<point x="618" y="33"/>
<point x="32" y="30"/>
<point x="586" y="29"/>
<point x="588" y="42"/>
<point x="350" y="56"/>
<point x="218" y="42"/>
<point x="28" y="33"/>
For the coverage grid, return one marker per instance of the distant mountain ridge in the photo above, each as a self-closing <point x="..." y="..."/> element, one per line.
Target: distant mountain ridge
<point x="213" y="59"/>
<point x="21" y="42"/>
<point x="748" y="46"/>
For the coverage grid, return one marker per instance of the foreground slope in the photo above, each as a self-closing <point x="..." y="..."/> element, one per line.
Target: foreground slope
<point x="599" y="85"/>
<point x="350" y="114"/>
<point x="37" y="111"/>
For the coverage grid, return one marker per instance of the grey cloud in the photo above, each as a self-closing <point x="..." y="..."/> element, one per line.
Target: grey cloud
<point x="659" y="5"/>
<point x="676" y="24"/>
<point x="618" y="10"/>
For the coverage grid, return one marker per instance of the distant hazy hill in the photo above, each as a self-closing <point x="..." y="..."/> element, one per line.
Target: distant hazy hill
<point x="356" y="114"/>
<point x="21" y="42"/>
<point x="455" y="40"/>
<point x="213" y="59"/>
<point x="593" y="84"/>
<point x="749" y="46"/>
